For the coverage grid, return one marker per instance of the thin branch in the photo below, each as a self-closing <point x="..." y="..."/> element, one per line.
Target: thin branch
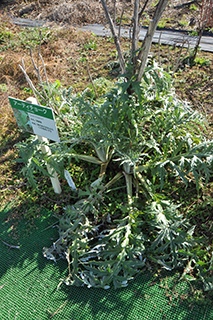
<point x="39" y="49"/>
<point x="205" y="20"/>
<point x="186" y="4"/>
<point x="130" y="34"/>
<point x="169" y="55"/>
<point x="139" y="18"/>
<point x="37" y="69"/>
<point x="45" y="73"/>
<point x="38" y="73"/>
<point x="58" y="310"/>
<point x="34" y="65"/>
<point x="198" y="42"/>
<point x="10" y="245"/>
<point x="179" y="62"/>
<point x="142" y="10"/>
<point x="91" y="79"/>
<point x="57" y="111"/>
<point x="35" y="91"/>
<point x="159" y="59"/>
<point x="116" y="40"/>
<point x="135" y="34"/>
<point x="119" y="29"/>
<point x="114" y="11"/>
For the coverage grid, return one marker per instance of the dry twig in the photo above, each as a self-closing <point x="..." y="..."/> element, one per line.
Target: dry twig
<point x="10" y="245"/>
<point x="90" y="77"/>
<point x="58" y="310"/>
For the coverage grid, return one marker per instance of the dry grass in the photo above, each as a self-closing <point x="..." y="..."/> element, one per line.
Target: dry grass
<point x="75" y="13"/>
<point x="78" y="12"/>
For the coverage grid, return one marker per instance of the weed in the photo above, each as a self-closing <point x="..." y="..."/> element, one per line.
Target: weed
<point x="193" y="33"/>
<point x="154" y="3"/>
<point x="125" y="19"/>
<point x="162" y="23"/>
<point x="183" y="23"/>
<point x="3" y="87"/>
<point x="193" y="7"/>
<point x="202" y="61"/>
<point x="27" y="38"/>
<point x="5" y="36"/>
<point x="91" y="45"/>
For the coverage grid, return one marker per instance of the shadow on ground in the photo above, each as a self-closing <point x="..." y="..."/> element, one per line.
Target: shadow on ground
<point x="28" y="285"/>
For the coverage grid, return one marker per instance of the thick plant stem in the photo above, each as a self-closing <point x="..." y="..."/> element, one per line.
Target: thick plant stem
<point x="146" y="187"/>
<point x="103" y="169"/>
<point x="128" y="178"/>
<point x="113" y="180"/>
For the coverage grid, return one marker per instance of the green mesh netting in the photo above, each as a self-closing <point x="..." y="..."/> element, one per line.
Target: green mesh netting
<point x="28" y="285"/>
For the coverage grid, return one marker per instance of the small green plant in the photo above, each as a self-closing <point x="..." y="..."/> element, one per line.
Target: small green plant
<point x="162" y="23"/>
<point x="110" y="39"/>
<point x="91" y="45"/>
<point x="3" y="87"/>
<point x="183" y="23"/>
<point x="5" y="36"/>
<point x="193" y="7"/>
<point x="102" y="86"/>
<point x="202" y="61"/>
<point x="125" y="19"/>
<point x="27" y="38"/>
<point x="154" y="3"/>
<point x="193" y="33"/>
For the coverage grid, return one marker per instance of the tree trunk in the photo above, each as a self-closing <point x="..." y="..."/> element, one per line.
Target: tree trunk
<point x="135" y="27"/>
<point x="145" y="48"/>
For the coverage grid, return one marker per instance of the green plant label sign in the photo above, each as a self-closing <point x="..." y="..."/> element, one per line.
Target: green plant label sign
<point x="35" y="119"/>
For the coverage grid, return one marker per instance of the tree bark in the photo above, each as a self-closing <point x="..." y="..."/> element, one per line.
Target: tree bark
<point x="145" y="48"/>
<point x="135" y="26"/>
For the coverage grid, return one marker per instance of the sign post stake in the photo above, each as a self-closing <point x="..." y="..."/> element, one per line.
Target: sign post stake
<point x="46" y="149"/>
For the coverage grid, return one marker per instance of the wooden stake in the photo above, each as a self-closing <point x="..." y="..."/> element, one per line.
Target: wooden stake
<point x="46" y="149"/>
